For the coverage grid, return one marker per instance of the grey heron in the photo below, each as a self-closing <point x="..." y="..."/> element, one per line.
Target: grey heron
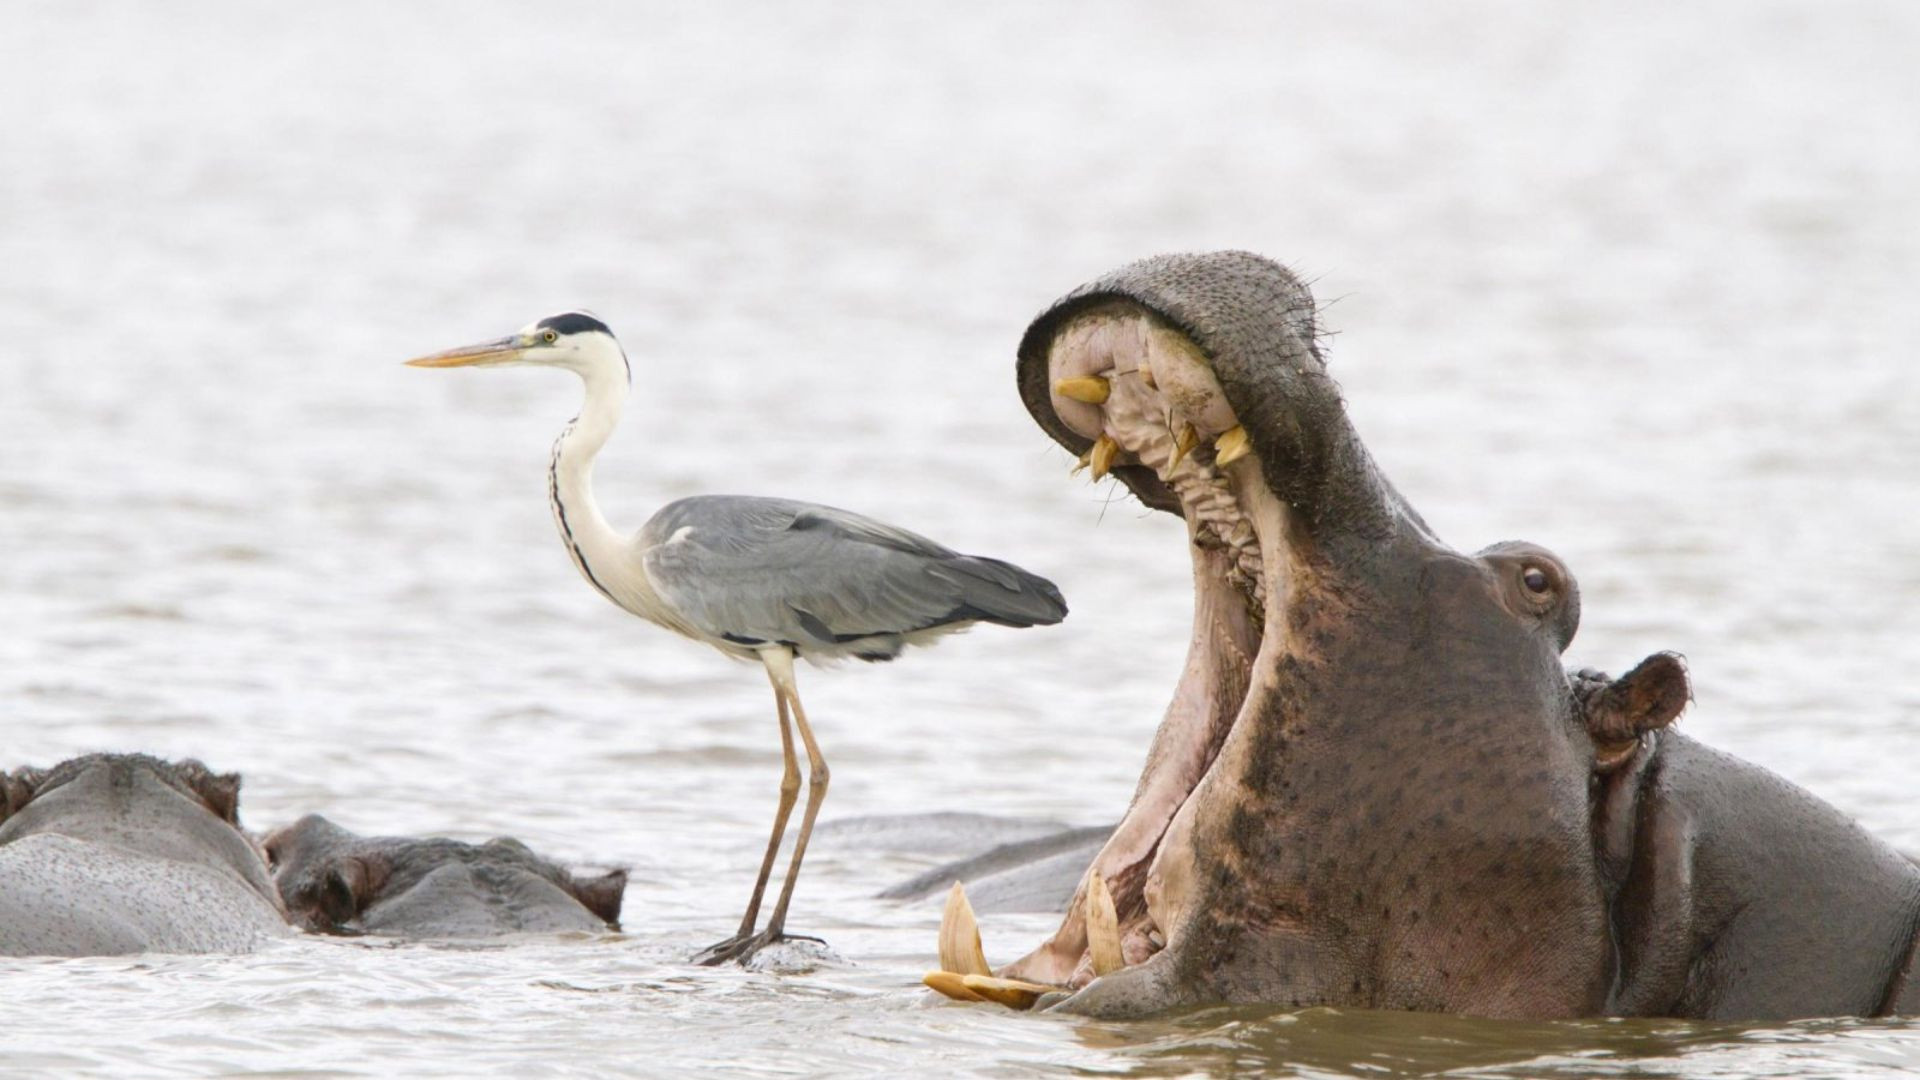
<point x="762" y="579"/>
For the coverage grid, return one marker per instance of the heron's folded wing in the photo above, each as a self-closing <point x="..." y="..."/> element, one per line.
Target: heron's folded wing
<point x="775" y="570"/>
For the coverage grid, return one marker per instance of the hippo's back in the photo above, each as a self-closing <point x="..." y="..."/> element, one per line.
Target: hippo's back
<point x="65" y="897"/>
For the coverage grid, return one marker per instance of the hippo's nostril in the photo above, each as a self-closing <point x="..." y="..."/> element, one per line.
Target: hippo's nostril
<point x="1536" y="581"/>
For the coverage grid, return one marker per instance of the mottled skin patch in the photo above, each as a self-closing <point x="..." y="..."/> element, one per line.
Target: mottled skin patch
<point x="110" y="854"/>
<point x="334" y="881"/>
<point x="1413" y="805"/>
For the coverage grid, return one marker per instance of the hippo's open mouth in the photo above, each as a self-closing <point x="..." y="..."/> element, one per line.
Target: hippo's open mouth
<point x="1145" y="397"/>
<point x="1198" y="382"/>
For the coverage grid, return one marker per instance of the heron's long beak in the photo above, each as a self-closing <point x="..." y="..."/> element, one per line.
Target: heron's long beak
<point x="504" y="351"/>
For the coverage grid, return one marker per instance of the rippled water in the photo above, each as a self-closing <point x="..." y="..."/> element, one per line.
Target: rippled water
<point x="1631" y="281"/>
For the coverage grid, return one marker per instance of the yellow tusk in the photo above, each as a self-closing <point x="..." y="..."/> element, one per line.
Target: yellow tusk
<point x="1231" y="446"/>
<point x="1184" y="445"/>
<point x="951" y="984"/>
<point x="1102" y="455"/>
<point x="1103" y="928"/>
<point x="1085" y="460"/>
<point x="960" y="950"/>
<point x="1012" y="993"/>
<point x="1091" y="389"/>
<point x="1146" y="376"/>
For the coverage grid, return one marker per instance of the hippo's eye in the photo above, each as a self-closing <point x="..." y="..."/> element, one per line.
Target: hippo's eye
<point x="1536" y="581"/>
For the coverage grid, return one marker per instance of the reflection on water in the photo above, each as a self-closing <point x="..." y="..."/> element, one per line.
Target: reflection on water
<point x="1252" y="1042"/>
<point x="1633" y="282"/>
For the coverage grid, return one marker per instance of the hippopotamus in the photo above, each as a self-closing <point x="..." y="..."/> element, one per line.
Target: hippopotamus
<point x="110" y="854"/>
<point x="334" y="881"/>
<point x="1037" y="873"/>
<point x="1378" y="785"/>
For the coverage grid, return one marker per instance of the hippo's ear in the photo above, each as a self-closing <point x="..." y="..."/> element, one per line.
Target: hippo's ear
<point x="344" y="892"/>
<point x="602" y="895"/>
<point x="218" y="792"/>
<point x="221" y="793"/>
<point x="1619" y="711"/>
<point x="17" y="789"/>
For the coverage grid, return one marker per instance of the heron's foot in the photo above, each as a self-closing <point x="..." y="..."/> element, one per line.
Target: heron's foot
<point x="741" y="948"/>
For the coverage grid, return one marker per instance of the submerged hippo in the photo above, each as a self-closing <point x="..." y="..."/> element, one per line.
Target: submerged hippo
<point x="123" y="853"/>
<point x="1377" y="785"/>
<point x="334" y="881"/>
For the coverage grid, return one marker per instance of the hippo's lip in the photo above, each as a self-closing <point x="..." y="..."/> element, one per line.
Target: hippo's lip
<point x="1145" y="396"/>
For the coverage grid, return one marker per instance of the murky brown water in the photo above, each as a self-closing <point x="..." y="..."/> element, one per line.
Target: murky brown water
<point x="1633" y="282"/>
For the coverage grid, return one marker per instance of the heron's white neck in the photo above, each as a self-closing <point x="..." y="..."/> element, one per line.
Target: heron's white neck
<point x="598" y="551"/>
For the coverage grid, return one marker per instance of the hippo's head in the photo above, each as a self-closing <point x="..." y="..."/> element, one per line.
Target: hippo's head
<point x="175" y="809"/>
<point x="1376" y="784"/>
<point x="334" y="881"/>
<point x="218" y="793"/>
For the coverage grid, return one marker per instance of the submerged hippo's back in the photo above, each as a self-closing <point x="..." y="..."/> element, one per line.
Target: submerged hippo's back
<point x="65" y="897"/>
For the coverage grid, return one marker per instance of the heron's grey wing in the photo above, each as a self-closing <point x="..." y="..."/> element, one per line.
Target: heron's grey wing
<point x="756" y="570"/>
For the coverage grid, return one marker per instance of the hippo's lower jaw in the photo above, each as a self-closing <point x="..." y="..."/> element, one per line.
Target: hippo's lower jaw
<point x="1147" y="397"/>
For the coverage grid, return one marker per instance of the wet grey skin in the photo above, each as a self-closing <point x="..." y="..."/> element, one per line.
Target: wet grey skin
<point x="1037" y="874"/>
<point x="111" y="854"/>
<point x="1377" y="785"/>
<point x="334" y="881"/>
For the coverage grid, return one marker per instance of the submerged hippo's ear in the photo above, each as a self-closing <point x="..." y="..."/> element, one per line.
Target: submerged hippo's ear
<point x="17" y="789"/>
<point x="221" y="793"/>
<point x="344" y="892"/>
<point x="1619" y="711"/>
<point x="601" y="895"/>
<point x="218" y="792"/>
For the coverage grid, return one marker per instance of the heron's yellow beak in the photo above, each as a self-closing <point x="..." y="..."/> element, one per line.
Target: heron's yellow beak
<point x="504" y="351"/>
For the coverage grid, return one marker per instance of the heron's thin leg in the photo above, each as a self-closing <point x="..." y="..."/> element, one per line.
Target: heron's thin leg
<point x="816" y="793"/>
<point x="789" y="794"/>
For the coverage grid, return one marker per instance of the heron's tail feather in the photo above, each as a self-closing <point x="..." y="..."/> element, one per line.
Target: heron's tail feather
<point x="1000" y="592"/>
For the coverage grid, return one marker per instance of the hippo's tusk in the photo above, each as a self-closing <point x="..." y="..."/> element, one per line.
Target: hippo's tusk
<point x="1189" y="437"/>
<point x="960" y="950"/>
<point x="966" y="976"/>
<point x="1103" y="928"/>
<point x="1012" y="993"/>
<point x="1085" y="460"/>
<point x="952" y="984"/>
<point x="1231" y="446"/>
<point x="1102" y="455"/>
<point x="1092" y="389"/>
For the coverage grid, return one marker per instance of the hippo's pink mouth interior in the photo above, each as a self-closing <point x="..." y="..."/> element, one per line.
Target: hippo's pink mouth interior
<point x="1147" y="397"/>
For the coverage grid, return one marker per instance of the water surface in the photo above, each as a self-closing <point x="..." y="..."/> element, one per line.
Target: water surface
<point x="1633" y="282"/>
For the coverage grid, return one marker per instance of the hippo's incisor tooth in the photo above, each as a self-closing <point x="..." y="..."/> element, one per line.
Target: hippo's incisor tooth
<point x="1085" y="460"/>
<point x="1092" y="389"/>
<point x="1231" y="446"/>
<point x="951" y="984"/>
<point x="1103" y="928"/>
<point x="960" y="950"/>
<point x="1146" y="376"/>
<point x="1012" y="993"/>
<point x="1189" y="437"/>
<point x="1102" y="455"/>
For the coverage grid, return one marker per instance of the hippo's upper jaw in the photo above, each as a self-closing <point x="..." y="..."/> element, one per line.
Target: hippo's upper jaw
<point x="1371" y="787"/>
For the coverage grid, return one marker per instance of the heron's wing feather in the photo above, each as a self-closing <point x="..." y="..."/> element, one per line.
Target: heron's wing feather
<point x="775" y="570"/>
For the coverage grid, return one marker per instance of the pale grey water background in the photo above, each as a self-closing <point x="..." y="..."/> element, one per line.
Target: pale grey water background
<point x="1634" y="282"/>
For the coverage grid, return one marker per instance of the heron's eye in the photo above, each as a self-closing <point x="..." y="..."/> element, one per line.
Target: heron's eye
<point x="1536" y="581"/>
<point x="549" y="337"/>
